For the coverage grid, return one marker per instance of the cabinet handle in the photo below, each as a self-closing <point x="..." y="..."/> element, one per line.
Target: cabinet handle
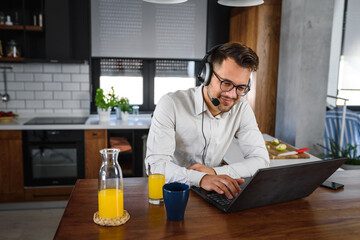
<point x="94" y="134"/>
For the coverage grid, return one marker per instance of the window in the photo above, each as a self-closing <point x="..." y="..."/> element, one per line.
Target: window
<point x="142" y="81"/>
<point x="349" y="71"/>
<point x="125" y="75"/>
<point x="173" y="75"/>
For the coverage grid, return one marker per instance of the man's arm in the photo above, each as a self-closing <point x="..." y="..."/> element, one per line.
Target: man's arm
<point x="250" y="142"/>
<point x="161" y="145"/>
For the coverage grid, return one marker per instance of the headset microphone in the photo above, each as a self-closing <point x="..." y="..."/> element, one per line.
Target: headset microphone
<point x="214" y="101"/>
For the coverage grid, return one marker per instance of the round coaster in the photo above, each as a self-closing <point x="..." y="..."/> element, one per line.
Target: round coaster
<point x="111" y="221"/>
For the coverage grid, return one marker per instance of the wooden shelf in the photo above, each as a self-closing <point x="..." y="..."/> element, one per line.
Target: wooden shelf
<point x="11" y="27"/>
<point x="21" y="27"/>
<point x="33" y="28"/>
<point x="11" y="59"/>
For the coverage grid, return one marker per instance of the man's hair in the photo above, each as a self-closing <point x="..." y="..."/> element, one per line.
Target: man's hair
<point x="241" y="54"/>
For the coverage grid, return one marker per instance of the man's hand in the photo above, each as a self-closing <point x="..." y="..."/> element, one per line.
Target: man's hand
<point x="222" y="184"/>
<point x="202" y="168"/>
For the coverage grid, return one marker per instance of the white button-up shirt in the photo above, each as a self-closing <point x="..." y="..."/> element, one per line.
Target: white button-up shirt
<point x="179" y="127"/>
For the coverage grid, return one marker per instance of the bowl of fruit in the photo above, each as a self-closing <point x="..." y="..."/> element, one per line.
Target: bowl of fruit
<point x="7" y="116"/>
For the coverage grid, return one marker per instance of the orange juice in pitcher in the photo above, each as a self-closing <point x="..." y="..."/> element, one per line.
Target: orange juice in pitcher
<point x="110" y="185"/>
<point x="111" y="203"/>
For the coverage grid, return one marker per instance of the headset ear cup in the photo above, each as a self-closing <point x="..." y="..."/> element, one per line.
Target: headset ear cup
<point x="207" y="73"/>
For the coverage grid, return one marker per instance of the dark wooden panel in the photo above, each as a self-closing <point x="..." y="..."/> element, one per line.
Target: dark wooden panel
<point x="259" y="28"/>
<point x="95" y="140"/>
<point x="11" y="166"/>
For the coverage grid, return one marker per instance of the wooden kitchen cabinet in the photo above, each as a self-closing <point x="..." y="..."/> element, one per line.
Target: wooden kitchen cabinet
<point x="25" y="30"/>
<point x="95" y="140"/>
<point x="63" y="34"/>
<point x="11" y="166"/>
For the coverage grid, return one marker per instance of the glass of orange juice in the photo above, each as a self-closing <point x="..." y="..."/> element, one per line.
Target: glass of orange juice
<point x="156" y="183"/>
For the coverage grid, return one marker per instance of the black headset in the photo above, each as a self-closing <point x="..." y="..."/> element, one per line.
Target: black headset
<point x="206" y="69"/>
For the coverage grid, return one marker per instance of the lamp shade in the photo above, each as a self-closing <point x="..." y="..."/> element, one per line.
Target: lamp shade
<point x="165" y="1"/>
<point x="240" y="3"/>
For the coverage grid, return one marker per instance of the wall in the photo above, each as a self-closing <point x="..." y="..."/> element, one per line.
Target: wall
<point x="303" y="72"/>
<point x="46" y="89"/>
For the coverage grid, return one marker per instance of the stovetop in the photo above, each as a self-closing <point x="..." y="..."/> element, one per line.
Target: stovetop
<point x="56" y="120"/>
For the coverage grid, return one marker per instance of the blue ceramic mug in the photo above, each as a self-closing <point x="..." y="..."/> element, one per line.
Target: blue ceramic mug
<point x="176" y="196"/>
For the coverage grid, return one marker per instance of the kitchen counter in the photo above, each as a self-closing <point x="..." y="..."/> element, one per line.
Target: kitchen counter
<point x="143" y="122"/>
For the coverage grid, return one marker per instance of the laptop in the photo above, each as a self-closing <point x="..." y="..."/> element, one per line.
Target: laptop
<point x="275" y="185"/>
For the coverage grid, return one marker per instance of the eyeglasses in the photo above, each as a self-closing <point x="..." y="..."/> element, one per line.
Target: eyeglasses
<point x="227" y="86"/>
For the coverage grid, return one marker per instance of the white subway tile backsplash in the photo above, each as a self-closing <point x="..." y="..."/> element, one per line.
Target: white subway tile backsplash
<point x="15" y="104"/>
<point x="2" y="105"/>
<point x="24" y="111"/>
<point x="71" y="104"/>
<point x="17" y="67"/>
<point x="53" y="104"/>
<point x="43" y="77"/>
<point x="44" y="95"/>
<point x="62" y="78"/>
<point x="52" y="86"/>
<point x="63" y="111"/>
<point x="71" y="86"/>
<point x="52" y="68"/>
<point x="33" y="67"/>
<point x="70" y="68"/>
<point x="47" y="88"/>
<point x="34" y="86"/>
<point x="80" y="78"/>
<point x="83" y="112"/>
<point x="24" y="95"/>
<point x="84" y="68"/>
<point x="85" y="104"/>
<point x="80" y="95"/>
<point x="44" y="111"/>
<point x="9" y="76"/>
<point x="15" y="86"/>
<point x="84" y="86"/>
<point x="12" y="95"/>
<point x="62" y="95"/>
<point x="24" y="77"/>
<point x="34" y="104"/>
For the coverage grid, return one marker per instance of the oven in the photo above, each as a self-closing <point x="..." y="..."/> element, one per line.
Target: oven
<point x="53" y="157"/>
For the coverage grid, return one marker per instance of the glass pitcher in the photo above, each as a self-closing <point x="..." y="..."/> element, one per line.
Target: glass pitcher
<point x="110" y="185"/>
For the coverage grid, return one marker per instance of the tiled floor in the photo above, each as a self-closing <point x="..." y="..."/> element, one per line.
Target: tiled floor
<point x="30" y="221"/>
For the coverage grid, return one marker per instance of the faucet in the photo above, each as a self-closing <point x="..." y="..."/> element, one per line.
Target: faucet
<point x="5" y="97"/>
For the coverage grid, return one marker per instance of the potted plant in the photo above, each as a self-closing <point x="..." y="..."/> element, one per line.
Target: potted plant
<point x="349" y="151"/>
<point x="123" y="108"/>
<point x="105" y="102"/>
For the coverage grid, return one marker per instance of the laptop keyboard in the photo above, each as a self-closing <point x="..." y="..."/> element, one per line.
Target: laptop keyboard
<point x="219" y="198"/>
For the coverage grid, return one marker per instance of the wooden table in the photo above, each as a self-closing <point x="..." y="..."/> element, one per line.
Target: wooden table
<point x="325" y="214"/>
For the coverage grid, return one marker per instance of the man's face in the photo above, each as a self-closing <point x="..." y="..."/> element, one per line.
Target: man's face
<point x="230" y="71"/>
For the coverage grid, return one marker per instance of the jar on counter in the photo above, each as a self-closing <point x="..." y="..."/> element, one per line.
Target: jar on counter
<point x="12" y="49"/>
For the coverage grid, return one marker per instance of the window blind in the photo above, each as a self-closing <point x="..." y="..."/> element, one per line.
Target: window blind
<point x="137" y="29"/>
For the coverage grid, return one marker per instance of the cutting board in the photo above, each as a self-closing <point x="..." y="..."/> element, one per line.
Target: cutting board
<point x="273" y="153"/>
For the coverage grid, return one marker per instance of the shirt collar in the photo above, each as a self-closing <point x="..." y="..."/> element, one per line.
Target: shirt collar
<point x="200" y="105"/>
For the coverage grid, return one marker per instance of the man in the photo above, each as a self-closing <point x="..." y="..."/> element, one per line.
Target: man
<point x="191" y="130"/>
